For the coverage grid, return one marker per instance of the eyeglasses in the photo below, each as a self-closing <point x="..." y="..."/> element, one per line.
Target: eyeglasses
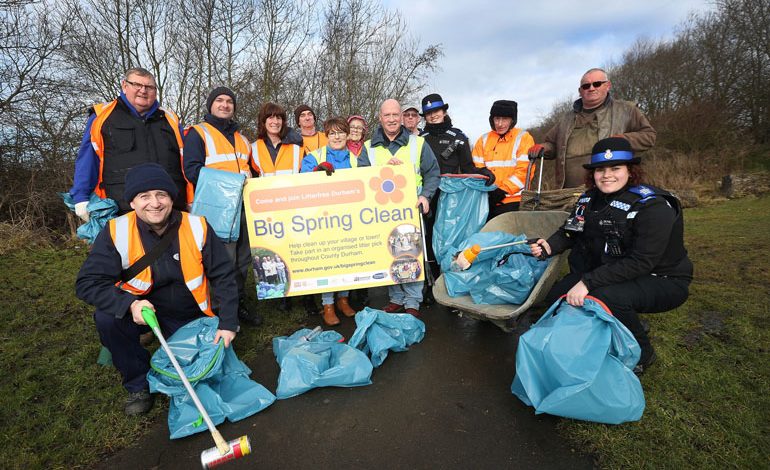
<point x="335" y="133"/>
<point x="139" y="86"/>
<point x="411" y="115"/>
<point x="586" y="86"/>
<point x="356" y="128"/>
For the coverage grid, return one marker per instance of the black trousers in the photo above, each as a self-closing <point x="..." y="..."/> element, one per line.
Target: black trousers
<point x="646" y="294"/>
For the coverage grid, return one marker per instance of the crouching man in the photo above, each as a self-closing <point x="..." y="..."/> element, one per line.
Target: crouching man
<point x="156" y="257"/>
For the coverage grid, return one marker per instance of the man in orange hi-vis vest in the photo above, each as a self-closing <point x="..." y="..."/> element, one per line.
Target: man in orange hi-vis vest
<point x="504" y="152"/>
<point x="217" y="143"/>
<point x="176" y="280"/>
<point x="130" y="130"/>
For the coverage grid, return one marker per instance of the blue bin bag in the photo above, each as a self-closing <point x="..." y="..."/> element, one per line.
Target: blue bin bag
<point x="220" y="380"/>
<point x="323" y="361"/>
<point x="511" y="278"/>
<point x="100" y="212"/>
<point x="378" y="332"/>
<point x="218" y="198"/>
<point x="459" y="283"/>
<point x="577" y="362"/>
<point x="266" y="290"/>
<point x="462" y="210"/>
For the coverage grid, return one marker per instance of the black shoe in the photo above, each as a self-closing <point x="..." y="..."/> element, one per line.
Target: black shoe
<point x="310" y="307"/>
<point x="285" y="305"/>
<point x="138" y="403"/>
<point x="248" y="317"/>
<point x="643" y="365"/>
<point x="645" y="326"/>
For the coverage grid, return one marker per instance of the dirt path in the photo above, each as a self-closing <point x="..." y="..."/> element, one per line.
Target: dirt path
<point x="445" y="404"/>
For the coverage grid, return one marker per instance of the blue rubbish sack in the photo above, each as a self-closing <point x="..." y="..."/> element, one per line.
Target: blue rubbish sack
<point x="378" y="332"/>
<point x="459" y="283"/>
<point x="218" y="198"/>
<point x="577" y="362"/>
<point x="219" y="378"/>
<point x="100" y="211"/>
<point x="322" y="361"/>
<point x="462" y="211"/>
<point x="510" y="279"/>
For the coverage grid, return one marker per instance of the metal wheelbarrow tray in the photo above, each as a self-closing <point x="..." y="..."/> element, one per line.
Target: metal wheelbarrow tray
<point x="534" y="225"/>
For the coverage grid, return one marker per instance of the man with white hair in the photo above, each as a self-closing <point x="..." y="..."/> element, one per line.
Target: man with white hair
<point x="393" y="144"/>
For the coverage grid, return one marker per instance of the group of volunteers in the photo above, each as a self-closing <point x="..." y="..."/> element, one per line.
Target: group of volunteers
<point x="626" y="237"/>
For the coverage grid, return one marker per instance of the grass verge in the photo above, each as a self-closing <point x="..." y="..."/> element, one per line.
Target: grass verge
<point x="707" y="397"/>
<point x="707" y="400"/>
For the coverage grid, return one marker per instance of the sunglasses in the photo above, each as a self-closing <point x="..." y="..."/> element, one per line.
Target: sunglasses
<point x="586" y="86"/>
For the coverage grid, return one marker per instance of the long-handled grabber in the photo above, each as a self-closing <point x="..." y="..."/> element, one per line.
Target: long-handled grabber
<point x="465" y="258"/>
<point x="224" y="451"/>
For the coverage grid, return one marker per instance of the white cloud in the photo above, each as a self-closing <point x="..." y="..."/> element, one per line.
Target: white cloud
<point x="531" y="52"/>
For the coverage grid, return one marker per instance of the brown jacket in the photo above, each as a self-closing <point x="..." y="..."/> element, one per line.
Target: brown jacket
<point x="625" y="119"/>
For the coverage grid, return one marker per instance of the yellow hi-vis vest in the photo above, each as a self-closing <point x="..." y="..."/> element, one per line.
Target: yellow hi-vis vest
<point x="192" y="237"/>
<point x="412" y="152"/>
<point x="320" y="156"/>
<point x="103" y="111"/>
<point x="288" y="162"/>
<point x="220" y="154"/>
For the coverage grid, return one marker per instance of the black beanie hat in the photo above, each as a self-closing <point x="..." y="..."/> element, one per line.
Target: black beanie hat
<point x="301" y="109"/>
<point x="148" y="177"/>
<point x="220" y="90"/>
<point x="503" y="108"/>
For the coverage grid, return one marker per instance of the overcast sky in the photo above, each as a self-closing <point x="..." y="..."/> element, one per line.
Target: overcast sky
<point x="532" y="52"/>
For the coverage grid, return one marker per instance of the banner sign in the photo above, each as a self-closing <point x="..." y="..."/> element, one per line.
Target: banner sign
<point x="314" y="233"/>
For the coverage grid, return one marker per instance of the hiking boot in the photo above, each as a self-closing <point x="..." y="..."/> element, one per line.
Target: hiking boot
<point x="138" y="403"/>
<point x="247" y="316"/>
<point x="642" y="366"/>
<point x="310" y="307"/>
<point x="344" y="307"/>
<point x="413" y="312"/>
<point x="393" y="308"/>
<point x="330" y="316"/>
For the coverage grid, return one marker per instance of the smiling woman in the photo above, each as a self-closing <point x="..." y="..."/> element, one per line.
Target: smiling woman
<point x="627" y="244"/>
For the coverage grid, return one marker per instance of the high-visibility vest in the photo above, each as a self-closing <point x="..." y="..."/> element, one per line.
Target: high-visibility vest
<point x="320" y="156"/>
<point x="103" y="111"/>
<point x="288" y="162"/>
<point x="221" y="154"/>
<point x="507" y="159"/>
<point x="314" y="142"/>
<point x="412" y="152"/>
<point x="192" y="237"/>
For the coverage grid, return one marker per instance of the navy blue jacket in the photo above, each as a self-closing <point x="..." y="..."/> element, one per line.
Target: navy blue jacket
<point x="169" y="294"/>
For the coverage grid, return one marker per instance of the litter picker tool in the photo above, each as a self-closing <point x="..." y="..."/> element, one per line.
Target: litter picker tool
<point x="224" y="451"/>
<point x="426" y="263"/>
<point x="466" y="257"/>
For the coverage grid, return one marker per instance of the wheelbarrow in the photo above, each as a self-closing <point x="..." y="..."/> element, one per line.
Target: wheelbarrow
<point x="539" y="224"/>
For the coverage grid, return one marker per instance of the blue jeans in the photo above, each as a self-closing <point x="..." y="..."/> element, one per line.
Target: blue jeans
<point x="408" y="294"/>
<point x="327" y="298"/>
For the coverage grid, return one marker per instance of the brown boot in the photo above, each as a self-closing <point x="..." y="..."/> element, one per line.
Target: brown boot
<point x="344" y="307"/>
<point x="329" y="316"/>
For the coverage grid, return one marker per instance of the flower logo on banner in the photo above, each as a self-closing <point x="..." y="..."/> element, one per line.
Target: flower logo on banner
<point x="388" y="186"/>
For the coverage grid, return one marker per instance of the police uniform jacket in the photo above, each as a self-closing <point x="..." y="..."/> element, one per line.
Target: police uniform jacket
<point x="451" y="147"/>
<point x="635" y="232"/>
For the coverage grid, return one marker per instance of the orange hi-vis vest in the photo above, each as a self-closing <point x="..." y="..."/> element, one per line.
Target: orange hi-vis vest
<point x="220" y="154"/>
<point x="506" y="157"/>
<point x="192" y="237"/>
<point x="103" y="111"/>
<point x="314" y="142"/>
<point x="288" y="162"/>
